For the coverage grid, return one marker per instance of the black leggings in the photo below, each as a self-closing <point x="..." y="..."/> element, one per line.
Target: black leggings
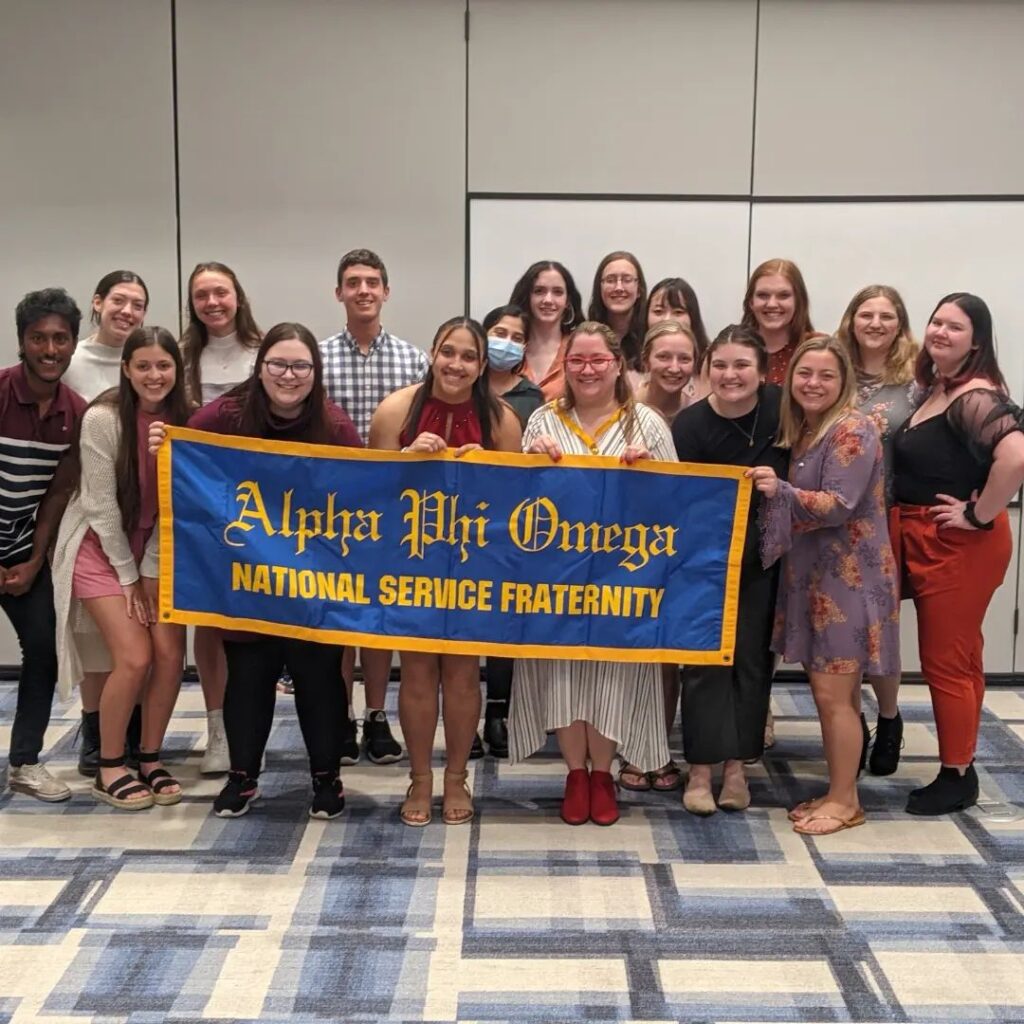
<point x="321" y="703"/>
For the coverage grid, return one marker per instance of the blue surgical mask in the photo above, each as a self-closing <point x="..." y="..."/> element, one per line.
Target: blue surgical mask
<point x="504" y="353"/>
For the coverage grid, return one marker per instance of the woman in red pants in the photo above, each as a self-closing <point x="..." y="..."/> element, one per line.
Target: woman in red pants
<point x="957" y="462"/>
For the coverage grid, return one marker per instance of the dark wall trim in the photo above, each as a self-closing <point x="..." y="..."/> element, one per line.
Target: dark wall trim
<point x="741" y="197"/>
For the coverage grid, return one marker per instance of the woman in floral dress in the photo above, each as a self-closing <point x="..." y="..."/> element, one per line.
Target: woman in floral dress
<point x="876" y="331"/>
<point x="837" y="611"/>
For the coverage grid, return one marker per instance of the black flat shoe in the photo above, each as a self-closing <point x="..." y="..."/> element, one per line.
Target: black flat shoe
<point x="950" y="791"/>
<point x="496" y="736"/>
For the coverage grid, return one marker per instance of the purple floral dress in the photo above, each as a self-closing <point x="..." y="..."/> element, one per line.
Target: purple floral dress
<point x="837" y="609"/>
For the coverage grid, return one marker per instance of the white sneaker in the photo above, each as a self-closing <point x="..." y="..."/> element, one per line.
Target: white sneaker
<point x="216" y="760"/>
<point x="35" y="780"/>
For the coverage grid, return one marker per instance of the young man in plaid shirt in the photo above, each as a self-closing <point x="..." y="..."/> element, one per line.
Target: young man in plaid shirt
<point x="363" y="365"/>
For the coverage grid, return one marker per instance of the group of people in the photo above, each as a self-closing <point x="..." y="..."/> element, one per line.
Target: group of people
<point x="881" y="469"/>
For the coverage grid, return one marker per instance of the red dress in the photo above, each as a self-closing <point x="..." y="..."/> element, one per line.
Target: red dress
<point x="457" y="424"/>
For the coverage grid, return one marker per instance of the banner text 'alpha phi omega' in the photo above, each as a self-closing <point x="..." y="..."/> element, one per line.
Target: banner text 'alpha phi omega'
<point x="489" y="553"/>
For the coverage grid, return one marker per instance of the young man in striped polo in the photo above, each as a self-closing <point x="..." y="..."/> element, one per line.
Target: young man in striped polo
<point x="38" y="420"/>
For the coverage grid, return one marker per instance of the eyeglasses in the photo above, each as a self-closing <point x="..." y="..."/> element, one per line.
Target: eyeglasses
<point x="623" y="279"/>
<point x="301" y="369"/>
<point x="577" y="364"/>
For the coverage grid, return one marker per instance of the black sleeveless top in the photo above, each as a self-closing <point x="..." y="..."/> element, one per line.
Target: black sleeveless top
<point x="951" y="453"/>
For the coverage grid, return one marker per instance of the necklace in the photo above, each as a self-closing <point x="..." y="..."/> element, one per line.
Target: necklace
<point x="753" y="427"/>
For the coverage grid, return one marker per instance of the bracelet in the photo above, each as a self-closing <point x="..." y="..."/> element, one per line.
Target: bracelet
<point x="973" y="519"/>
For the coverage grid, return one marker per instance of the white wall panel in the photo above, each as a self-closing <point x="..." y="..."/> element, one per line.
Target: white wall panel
<point x="609" y="96"/>
<point x="308" y="129"/>
<point x="925" y="250"/>
<point x="87" y="179"/>
<point x="704" y="242"/>
<point x="896" y="97"/>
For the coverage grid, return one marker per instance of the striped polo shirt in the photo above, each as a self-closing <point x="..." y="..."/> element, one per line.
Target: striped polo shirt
<point x="30" y="448"/>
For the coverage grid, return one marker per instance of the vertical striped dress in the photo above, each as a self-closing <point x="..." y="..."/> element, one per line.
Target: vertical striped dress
<point x="623" y="702"/>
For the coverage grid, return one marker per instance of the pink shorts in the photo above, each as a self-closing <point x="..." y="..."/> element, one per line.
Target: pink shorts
<point x="94" y="576"/>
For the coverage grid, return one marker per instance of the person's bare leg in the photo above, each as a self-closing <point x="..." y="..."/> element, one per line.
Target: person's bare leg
<point x="837" y="698"/>
<point x="91" y="688"/>
<point x="212" y="666"/>
<point x="572" y="742"/>
<point x="161" y="690"/>
<point x="376" y="675"/>
<point x="417" y="712"/>
<point x="460" y="684"/>
<point x="131" y="650"/>
<point x="887" y="689"/>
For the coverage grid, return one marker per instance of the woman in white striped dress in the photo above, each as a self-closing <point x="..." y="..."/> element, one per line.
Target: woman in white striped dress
<point x="593" y="707"/>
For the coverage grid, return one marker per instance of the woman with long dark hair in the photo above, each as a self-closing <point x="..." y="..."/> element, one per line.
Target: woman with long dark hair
<point x="105" y="569"/>
<point x="958" y="460"/>
<point x="283" y="400"/>
<point x="548" y="295"/>
<point x="453" y="409"/>
<point x="219" y="348"/>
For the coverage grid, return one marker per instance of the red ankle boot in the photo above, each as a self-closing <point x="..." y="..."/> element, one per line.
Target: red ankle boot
<point x="576" y="802"/>
<point x="604" y="807"/>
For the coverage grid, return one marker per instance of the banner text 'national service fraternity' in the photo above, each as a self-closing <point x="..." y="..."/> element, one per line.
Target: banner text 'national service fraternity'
<point x="486" y="554"/>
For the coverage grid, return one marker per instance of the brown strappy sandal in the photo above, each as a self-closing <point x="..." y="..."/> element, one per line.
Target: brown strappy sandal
<point x="457" y="809"/>
<point x="418" y="805"/>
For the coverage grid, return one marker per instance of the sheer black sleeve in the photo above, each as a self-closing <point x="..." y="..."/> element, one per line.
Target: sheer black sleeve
<point x="981" y="418"/>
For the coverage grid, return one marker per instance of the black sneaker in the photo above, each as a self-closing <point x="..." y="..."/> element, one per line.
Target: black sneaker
<point x="885" y="754"/>
<point x="234" y="799"/>
<point x="949" y="791"/>
<point x="328" y="796"/>
<point x="378" y="743"/>
<point x="349" y="744"/>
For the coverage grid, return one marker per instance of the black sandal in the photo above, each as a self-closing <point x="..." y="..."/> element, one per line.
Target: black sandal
<point x="158" y="780"/>
<point x="118" y="792"/>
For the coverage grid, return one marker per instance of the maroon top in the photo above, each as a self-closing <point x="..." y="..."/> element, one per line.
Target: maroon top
<point x="31" y="446"/>
<point x="19" y="410"/>
<point x="221" y="417"/>
<point x="457" y="424"/>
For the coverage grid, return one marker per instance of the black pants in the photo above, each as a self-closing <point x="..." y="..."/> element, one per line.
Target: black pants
<point x="498" y="674"/>
<point x="34" y="621"/>
<point x="321" y="703"/>
<point x="725" y="706"/>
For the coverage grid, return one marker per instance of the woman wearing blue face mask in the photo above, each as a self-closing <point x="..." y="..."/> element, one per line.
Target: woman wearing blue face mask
<point x="506" y="329"/>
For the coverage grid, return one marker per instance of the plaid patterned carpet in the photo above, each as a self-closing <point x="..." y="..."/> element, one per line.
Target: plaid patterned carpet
<point x="173" y="916"/>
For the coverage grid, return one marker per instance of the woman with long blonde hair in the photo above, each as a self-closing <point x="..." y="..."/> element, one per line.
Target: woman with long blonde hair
<point x="876" y="332"/>
<point x="837" y="609"/>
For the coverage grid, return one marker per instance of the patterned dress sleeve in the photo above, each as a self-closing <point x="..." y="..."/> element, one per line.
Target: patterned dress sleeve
<point x="657" y="437"/>
<point x="535" y="426"/>
<point x="850" y="453"/>
<point x="981" y="418"/>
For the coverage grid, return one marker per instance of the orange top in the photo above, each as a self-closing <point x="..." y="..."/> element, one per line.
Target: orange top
<point x="552" y="384"/>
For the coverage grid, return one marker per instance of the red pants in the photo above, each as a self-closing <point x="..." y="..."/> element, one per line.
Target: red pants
<point x="951" y="576"/>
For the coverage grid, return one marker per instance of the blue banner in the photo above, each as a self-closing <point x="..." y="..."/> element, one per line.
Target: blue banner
<point x="486" y="554"/>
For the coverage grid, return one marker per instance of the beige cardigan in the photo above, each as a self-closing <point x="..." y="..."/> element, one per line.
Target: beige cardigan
<point x="94" y="506"/>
